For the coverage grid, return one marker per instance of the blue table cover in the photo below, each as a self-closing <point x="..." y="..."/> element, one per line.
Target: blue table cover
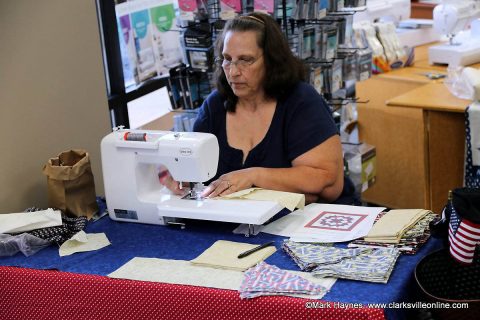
<point x="129" y="240"/>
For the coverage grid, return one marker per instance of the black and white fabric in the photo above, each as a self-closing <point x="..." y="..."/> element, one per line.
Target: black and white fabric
<point x="59" y="234"/>
<point x="472" y="135"/>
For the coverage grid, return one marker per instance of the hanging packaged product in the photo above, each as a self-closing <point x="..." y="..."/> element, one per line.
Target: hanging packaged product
<point x="166" y="45"/>
<point x="355" y="3"/>
<point x="327" y="80"/>
<point x="143" y="44"/>
<point x="365" y="33"/>
<point x="298" y="10"/>
<point x="265" y="6"/>
<point x="229" y="9"/>
<point x="308" y="43"/>
<point x="337" y="76"/>
<point x="341" y="28"/>
<point x="193" y="10"/>
<point x="348" y="31"/>
<point x="198" y="36"/>
<point x="362" y="164"/>
<point x="320" y="43"/>
<point x="336" y="5"/>
<point x="349" y="63"/>
<point x="177" y="88"/>
<point x="394" y="51"/>
<point x="364" y="64"/>
<point x="316" y="78"/>
<point x="200" y="58"/>
<point x="290" y="6"/>
<point x="332" y="40"/>
<point x="127" y="47"/>
<point x="323" y="7"/>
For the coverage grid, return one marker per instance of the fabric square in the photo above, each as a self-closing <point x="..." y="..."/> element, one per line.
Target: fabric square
<point x="265" y="279"/>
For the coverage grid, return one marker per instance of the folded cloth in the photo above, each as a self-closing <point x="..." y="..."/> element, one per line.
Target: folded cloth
<point x="373" y="266"/>
<point x="308" y="256"/>
<point x="392" y="226"/>
<point x="224" y="254"/>
<point x="264" y="279"/>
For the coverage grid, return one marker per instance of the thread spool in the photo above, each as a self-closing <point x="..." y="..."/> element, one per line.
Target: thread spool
<point x="134" y="136"/>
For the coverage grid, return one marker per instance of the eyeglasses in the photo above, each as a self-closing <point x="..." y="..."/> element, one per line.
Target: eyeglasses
<point x="241" y="64"/>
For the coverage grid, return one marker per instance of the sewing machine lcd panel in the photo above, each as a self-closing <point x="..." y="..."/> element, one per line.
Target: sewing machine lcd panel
<point x="131" y="160"/>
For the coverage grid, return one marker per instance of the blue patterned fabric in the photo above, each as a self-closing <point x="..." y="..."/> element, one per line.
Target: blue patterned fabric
<point x="365" y="264"/>
<point x="264" y="279"/>
<point x="309" y="256"/>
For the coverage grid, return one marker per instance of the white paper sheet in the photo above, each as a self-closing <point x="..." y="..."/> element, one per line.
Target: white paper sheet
<point x="27" y="221"/>
<point x="325" y="223"/>
<point x="183" y="272"/>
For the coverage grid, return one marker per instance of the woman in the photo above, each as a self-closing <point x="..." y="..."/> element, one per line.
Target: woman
<point x="274" y="131"/>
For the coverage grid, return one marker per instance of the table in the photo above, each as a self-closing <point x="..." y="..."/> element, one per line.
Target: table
<point x="76" y="287"/>
<point x="418" y="130"/>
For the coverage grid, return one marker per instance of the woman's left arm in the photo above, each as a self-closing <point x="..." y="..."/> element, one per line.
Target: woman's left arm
<point x="318" y="173"/>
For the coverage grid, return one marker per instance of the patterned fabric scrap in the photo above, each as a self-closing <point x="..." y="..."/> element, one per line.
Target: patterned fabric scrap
<point x="373" y="266"/>
<point x="264" y="279"/>
<point x="308" y="256"/>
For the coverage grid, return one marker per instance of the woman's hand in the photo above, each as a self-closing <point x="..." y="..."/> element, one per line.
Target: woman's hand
<point x="230" y="182"/>
<point x="166" y="179"/>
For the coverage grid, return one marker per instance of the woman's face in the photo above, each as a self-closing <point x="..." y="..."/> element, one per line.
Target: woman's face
<point x="243" y="63"/>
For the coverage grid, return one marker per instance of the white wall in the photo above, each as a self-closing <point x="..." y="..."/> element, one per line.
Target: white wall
<point x="52" y="93"/>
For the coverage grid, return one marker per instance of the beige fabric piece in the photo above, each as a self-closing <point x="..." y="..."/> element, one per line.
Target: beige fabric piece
<point x="391" y="227"/>
<point x="82" y="242"/>
<point x="184" y="273"/>
<point x="288" y="200"/>
<point x="223" y="254"/>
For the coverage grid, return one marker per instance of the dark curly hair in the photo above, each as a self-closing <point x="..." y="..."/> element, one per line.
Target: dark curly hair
<point x="283" y="69"/>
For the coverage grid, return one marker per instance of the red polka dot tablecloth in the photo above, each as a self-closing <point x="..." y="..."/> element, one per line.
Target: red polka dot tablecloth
<point x="48" y="294"/>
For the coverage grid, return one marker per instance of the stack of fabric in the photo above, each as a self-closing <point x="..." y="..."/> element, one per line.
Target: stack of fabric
<point x="308" y="256"/>
<point x="364" y="264"/>
<point x="391" y="227"/>
<point x="409" y="243"/>
<point x="264" y="279"/>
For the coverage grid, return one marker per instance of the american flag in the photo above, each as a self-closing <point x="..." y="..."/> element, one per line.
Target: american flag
<point x="463" y="236"/>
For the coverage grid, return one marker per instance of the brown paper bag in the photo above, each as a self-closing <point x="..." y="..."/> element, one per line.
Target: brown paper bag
<point x="71" y="187"/>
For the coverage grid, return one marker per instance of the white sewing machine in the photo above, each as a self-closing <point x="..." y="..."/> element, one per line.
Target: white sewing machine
<point x="452" y="18"/>
<point x="130" y="162"/>
<point x="385" y="10"/>
<point x="398" y="12"/>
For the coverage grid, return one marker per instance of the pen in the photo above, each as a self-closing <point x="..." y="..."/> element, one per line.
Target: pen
<point x="249" y="252"/>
